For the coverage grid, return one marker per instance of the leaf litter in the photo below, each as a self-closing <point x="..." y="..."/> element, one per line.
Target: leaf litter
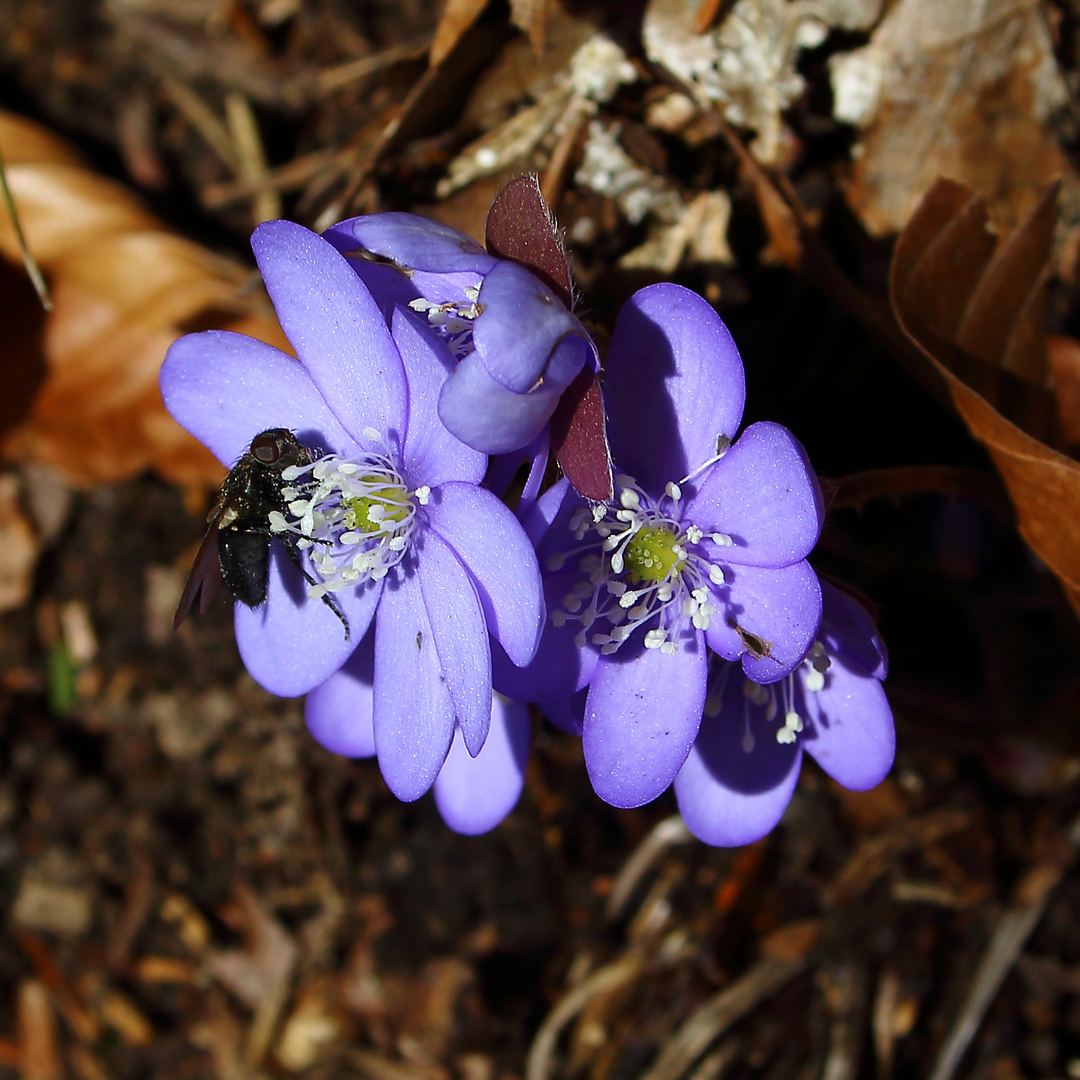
<point x="198" y="890"/>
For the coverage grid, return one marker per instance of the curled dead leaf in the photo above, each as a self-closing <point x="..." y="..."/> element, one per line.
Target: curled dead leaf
<point x="953" y="291"/>
<point x="124" y="289"/>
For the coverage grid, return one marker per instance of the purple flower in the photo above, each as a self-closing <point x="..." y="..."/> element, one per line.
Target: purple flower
<point x="516" y="345"/>
<point x="740" y="775"/>
<point x="473" y="794"/>
<point x="393" y="518"/>
<point x="703" y="548"/>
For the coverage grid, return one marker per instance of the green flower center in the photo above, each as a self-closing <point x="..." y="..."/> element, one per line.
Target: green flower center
<point x="652" y="553"/>
<point x="373" y="512"/>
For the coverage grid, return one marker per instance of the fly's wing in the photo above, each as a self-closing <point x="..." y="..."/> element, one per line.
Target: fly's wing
<point x="204" y="577"/>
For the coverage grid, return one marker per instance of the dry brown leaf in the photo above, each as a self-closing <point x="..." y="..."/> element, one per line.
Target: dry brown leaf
<point x="530" y="16"/>
<point x="942" y="269"/>
<point x="124" y="289"/>
<point x="456" y="18"/>
<point x="1064" y="360"/>
<point x="951" y="88"/>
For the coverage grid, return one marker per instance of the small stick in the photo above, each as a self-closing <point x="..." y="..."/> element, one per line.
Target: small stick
<point x="1003" y="950"/>
<point x="667" y="834"/>
<point x="33" y="271"/>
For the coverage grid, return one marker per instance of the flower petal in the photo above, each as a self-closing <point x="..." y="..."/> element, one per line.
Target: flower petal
<point x="763" y="495"/>
<point x="850" y="730"/>
<point x="519" y="329"/>
<point x="559" y="667"/>
<point x="412" y="714"/>
<point x="641" y="718"/>
<point x="225" y="388"/>
<point x="566" y="713"/>
<point x="412" y="241"/>
<point x="431" y="455"/>
<point x="727" y="794"/>
<point x="485" y="415"/>
<point x="474" y="794"/>
<point x="780" y="609"/>
<point x="674" y="383"/>
<point x="337" y="329"/>
<point x="494" y="548"/>
<point x="848" y="631"/>
<point x="461" y="640"/>
<point x="292" y="643"/>
<point x="338" y="712"/>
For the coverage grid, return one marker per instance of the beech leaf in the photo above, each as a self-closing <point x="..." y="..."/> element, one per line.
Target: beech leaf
<point x="943" y="274"/>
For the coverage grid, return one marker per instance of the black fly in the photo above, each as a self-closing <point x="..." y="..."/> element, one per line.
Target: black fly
<point x="236" y="547"/>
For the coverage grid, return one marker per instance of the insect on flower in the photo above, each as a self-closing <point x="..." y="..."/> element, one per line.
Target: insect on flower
<point x="236" y="547"/>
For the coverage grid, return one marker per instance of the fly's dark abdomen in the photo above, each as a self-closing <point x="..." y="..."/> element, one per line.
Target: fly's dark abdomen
<point x="245" y="563"/>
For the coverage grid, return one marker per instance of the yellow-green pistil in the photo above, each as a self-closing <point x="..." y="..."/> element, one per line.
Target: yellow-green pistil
<point x="652" y="553"/>
<point x="374" y="511"/>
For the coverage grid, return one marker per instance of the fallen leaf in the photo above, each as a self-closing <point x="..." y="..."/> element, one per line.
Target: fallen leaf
<point x="956" y="89"/>
<point x="457" y="16"/>
<point x="18" y="547"/>
<point x="1064" y="361"/>
<point x="1044" y="485"/>
<point x="124" y="289"/>
<point x="530" y="16"/>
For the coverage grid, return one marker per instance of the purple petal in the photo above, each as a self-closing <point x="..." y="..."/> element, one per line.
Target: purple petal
<point x="337" y="329"/>
<point x="225" y="388"/>
<point x="727" y="794"/>
<point x="338" y="713"/>
<point x="540" y="516"/>
<point x="559" y="667"/>
<point x="486" y="416"/>
<point x="461" y="640"/>
<point x="291" y="643"/>
<point x="763" y="495"/>
<point x="493" y="546"/>
<point x="641" y="718"/>
<point x="412" y="241"/>
<point x="431" y="455"/>
<point x="474" y="794"/>
<point x="674" y="383"/>
<point x="779" y="608"/>
<point x="850" y="731"/>
<point x="848" y="631"/>
<point x="504" y="467"/>
<point x="566" y="713"/>
<point x="518" y="332"/>
<point x="412" y="714"/>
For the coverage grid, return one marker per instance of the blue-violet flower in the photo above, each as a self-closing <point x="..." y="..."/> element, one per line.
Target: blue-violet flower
<point x="703" y="548"/>
<point x="393" y="519"/>
<point x="741" y="773"/>
<point x="516" y="345"/>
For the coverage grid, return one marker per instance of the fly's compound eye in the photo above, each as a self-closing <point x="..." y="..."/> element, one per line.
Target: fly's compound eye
<point x="265" y="449"/>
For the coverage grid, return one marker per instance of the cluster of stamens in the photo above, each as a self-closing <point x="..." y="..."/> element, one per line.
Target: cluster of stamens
<point x="773" y="698"/>
<point x="453" y="321"/>
<point x="355" y="514"/>
<point x="643" y="565"/>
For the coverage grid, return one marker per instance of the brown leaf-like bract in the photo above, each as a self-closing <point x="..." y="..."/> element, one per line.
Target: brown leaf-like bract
<point x="124" y="288"/>
<point x="520" y="228"/>
<point x="950" y="288"/>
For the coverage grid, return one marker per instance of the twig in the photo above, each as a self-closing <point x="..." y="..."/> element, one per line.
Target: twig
<point x="202" y="118"/>
<point x="855" y="490"/>
<point x="602" y="981"/>
<point x="845" y="995"/>
<point x="668" y="833"/>
<point x="244" y="129"/>
<point x="1003" y="950"/>
<point x="33" y="271"/>
<point x="712" y="1019"/>
<point x="339" y="76"/>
